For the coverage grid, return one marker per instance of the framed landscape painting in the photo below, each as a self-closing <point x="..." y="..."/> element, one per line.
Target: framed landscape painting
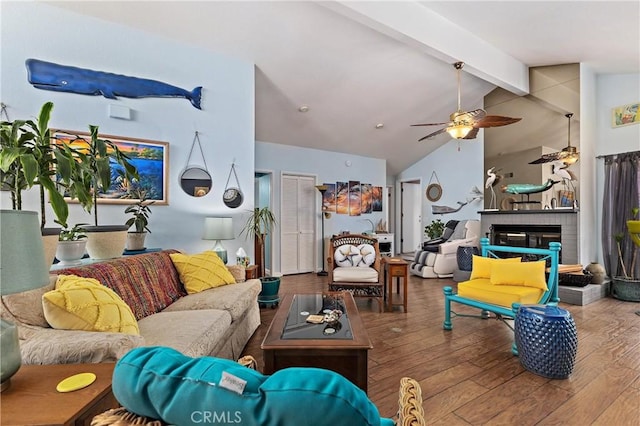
<point x="151" y="159"/>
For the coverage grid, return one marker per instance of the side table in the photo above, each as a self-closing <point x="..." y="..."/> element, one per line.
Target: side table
<point x="251" y="272"/>
<point x="32" y="398"/>
<point x="399" y="268"/>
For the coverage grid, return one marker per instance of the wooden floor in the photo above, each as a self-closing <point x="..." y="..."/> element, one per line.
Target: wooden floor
<point x="469" y="376"/>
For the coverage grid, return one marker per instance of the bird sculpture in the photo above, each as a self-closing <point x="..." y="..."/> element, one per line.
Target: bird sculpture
<point x="492" y="181"/>
<point x="559" y="168"/>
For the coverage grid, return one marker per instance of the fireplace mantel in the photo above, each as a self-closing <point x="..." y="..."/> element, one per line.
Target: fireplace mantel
<point x="521" y="212"/>
<point x="567" y="219"/>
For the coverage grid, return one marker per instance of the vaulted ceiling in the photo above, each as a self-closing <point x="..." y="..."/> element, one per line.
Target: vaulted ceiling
<point x="356" y="65"/>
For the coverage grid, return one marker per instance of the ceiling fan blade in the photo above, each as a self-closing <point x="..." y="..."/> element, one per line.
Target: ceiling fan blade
<point x="546" y="158"/>
<point x="433" y="134"/>
<point x="495" y="121"/>
<point x="433" y="124"/>
<point x="473" y="133"/>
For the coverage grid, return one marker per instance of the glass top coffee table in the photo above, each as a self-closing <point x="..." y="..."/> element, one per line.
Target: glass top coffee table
<point x="340" y="345"/>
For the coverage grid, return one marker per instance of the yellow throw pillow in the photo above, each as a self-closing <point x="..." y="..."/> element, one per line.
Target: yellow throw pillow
<point x="201" y="271"/>
<point x="84" y="304"/>
<point x="528" y="274"/>
<point x="482" y="265"/>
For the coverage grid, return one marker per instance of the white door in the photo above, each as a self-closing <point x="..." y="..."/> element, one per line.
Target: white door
<point x="411" y="216"/>
<point x="297" y="224"/>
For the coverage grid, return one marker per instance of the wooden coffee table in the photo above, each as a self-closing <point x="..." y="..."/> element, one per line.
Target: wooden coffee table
<point x="344" y="351"/>
<point x="32" y="398"/>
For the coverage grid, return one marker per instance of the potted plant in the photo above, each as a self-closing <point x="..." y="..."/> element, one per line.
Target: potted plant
<point x="627" y="285"/>
<point x="94" y="176"/>
<point x="260" y="223"/>
<point x="140" y="213"/>
<point x="28" y="158"/>
<point x="435" y="229"/>
<point x="71" y="245"/>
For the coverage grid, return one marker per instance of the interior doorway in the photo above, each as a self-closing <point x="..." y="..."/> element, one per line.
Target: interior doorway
<point x="410" y="216"/>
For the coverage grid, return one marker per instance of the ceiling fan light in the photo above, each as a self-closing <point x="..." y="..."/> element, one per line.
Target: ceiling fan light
<point x="459" y="131"/>
<point x="571" y="159"/>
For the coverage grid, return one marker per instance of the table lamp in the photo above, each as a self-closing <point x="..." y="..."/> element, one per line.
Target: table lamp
<point x="218" y="228"/>
<point x="22" y="267"/>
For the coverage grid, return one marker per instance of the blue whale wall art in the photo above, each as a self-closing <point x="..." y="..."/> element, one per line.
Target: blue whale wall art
<point x="63" y="78"/>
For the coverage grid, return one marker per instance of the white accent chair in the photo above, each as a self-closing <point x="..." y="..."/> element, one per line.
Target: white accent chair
<point x="443" y="263"/>
<point x="354" y="266"/>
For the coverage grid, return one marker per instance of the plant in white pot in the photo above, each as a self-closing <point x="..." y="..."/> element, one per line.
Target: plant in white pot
<point x="94" y="161"/>
<point x="72" y="243"/>
<point x="627" y="285"/>
<point x="28" y="158"/>
<point x="140" y="212"/>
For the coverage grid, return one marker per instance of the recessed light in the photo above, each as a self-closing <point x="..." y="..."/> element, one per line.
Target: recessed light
<point x="303" y="108"/>
<point x="379" y="125"/>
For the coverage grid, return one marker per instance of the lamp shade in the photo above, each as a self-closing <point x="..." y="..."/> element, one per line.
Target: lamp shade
<point x="22" y="261"/>
<point x="459" y="131"/>
<point x="218" y="228"/>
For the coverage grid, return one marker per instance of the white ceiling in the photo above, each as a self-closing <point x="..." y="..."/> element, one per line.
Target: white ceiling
<point x="357" y="64"/>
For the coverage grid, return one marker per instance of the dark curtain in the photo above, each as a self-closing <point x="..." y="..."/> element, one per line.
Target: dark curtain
<point x="621" y="195"/>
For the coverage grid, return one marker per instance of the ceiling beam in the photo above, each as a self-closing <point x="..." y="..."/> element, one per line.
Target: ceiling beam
<point x="418" y="26"/>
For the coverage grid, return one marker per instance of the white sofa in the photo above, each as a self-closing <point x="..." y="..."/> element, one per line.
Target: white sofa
<point x="443" y="263"/>
<point x="216" y="322"/>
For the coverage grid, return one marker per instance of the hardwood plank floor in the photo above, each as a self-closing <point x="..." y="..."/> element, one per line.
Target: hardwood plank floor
<point x="468" y="375"/>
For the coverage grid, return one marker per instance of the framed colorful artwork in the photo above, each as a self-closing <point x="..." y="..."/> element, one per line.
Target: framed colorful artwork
<point x="625" y="115"/>
<point x="376" y="198"/>
<point x="151" y="159"/>
<point x="355" y="196"/>
<point x="366" y="198"/>
<point x="329" y="198"/>
<point x="342" y="197"/>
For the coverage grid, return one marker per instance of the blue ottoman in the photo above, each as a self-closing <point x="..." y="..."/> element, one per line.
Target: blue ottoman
<point x="547" y="340"/>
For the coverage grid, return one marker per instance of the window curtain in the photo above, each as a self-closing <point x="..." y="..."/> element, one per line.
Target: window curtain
<point x="621" y="194"/>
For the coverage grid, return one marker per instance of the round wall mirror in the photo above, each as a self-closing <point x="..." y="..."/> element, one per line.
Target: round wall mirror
<point x="195" y="181"/>
<point x="434" y="192"/>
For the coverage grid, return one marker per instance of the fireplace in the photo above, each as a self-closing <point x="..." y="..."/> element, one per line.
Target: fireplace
<point x="530" y="236"/>
<point x="536" y="225"/>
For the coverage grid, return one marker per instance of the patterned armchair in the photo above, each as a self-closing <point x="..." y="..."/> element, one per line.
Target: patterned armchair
<point x="354" y="266"/>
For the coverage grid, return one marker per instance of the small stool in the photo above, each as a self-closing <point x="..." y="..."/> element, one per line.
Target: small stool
<point x="399" y="268"/>
<point x="547" y="340"/>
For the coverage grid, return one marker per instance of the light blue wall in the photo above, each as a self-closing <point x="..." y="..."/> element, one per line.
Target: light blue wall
<point x="226" y="122"/>
<point x="457" y="170"/>
<point x="326" y="167"/>
<point x="612" y="90"/>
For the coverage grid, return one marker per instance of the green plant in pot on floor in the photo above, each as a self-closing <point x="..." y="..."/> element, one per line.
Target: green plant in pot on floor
<point x="139" y="219"/>
<point x="95" y="161"/>
<point x="28" y="159"/>
<point x="258" y="227"/>
<point x="627" y="285"/>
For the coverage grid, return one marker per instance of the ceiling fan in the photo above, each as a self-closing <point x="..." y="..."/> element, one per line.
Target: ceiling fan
<point x="568" y="155"/>
<point x="465" y="124"/>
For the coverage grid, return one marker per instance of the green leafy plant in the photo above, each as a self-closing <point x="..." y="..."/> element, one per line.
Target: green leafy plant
<point x="435" y="229"/>
<point x="77" y="232"/>
<point x="259" y="224"/>
<point x="140" y="211"/>
<point x="93" y="165"/>
<point x="28" y="158"/>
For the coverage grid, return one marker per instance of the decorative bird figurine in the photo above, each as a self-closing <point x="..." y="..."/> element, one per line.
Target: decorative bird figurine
<point x="492" y="181"/>
<point x="559" y="168"/>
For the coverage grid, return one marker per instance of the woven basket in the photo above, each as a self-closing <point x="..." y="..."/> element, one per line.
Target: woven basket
<point x="575" y="280"/>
